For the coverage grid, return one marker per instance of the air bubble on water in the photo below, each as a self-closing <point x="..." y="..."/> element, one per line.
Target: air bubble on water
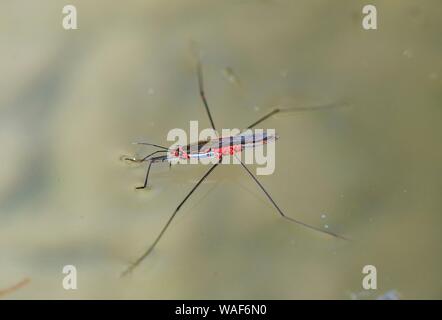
<point x="326" y="226"/>
<point x="228" y="74"/>
<point x="323" y="216"/>
<point x="284" y="73"/>
<point x="433" y="76"/>
<point x="256" y="108"/>
<point x="407" y="53"/>
<point x="150" y="91"/>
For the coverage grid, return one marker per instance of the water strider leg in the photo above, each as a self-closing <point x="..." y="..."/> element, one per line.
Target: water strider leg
<point x="142" y="257"/>
<point x="202" y="93"/>
<point x="145" y="158"/>
<point x="263" y="118"/>
<point x="147" y="176"/>
<point x="297" y="109"/>
<point x="151" y="144"/>
<point x="282" y="213"/>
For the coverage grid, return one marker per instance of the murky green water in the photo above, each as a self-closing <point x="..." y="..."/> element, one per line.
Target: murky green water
<point x="72" y="101"/>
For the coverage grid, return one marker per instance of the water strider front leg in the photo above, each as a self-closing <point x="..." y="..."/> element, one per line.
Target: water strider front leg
<point x="145" y="158"/>
<point x="153" y="245"/>
<point x="147" y="176"/>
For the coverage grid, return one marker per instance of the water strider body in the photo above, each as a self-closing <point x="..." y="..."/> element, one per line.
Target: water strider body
<point x="213" y="148"/>
<point x="216" y="149"/>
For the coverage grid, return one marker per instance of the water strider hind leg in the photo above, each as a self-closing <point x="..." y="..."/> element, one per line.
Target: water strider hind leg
<point x="281" y="212"/>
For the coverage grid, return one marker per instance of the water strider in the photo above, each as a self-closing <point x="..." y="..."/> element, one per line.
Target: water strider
<point x="216" y="149"/>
